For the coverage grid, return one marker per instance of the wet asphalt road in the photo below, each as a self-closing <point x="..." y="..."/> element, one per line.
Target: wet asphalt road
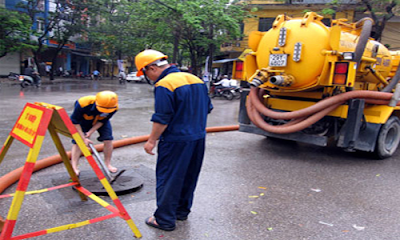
<point x="251" y="187"/>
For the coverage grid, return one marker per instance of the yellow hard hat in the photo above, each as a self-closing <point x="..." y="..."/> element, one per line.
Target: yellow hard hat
<point x="146" y="57"/>
<point x="106" y="101"/>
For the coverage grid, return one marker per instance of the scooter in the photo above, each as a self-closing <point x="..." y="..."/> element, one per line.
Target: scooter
<point x="26" y="81"/>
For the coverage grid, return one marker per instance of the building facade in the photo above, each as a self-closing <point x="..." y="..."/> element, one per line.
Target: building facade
<point x="73" y="58"/>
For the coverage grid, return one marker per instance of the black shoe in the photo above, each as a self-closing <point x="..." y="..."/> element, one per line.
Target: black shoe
<point x="181" y="218"/>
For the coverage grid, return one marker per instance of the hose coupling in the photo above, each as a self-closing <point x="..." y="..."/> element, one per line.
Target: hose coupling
<point x="259" y="78"/>
<point x="282" y="80"/>
<point x="256" y="82"/>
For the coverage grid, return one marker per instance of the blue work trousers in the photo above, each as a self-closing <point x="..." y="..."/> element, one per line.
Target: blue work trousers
<point x="177" y="171"/>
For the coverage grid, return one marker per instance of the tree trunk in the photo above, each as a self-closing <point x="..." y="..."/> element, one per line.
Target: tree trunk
<point x="193" y="62"/>
<point x="53" y="62"/>
<point x="176" y="44"/>
<point x="211" y="50"/>
<point x="112" y="70"/>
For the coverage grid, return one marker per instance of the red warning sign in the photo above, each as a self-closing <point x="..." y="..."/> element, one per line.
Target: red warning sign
<point x="28" y="124"/>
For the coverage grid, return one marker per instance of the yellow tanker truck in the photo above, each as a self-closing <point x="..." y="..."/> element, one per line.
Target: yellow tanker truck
<point x="312" y="83"/>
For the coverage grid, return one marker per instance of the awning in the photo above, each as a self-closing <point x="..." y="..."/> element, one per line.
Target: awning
<point x="244" y="54"/>
<point x="226" y="60"/>
<point x="82" y="54"/>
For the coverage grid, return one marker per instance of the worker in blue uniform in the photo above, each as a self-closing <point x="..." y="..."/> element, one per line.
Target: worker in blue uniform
<point x="91" y="114"/>
<point x="181" y="108"/>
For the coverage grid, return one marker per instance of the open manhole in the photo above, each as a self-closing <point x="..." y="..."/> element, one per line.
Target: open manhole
<point x="128" y="182"/>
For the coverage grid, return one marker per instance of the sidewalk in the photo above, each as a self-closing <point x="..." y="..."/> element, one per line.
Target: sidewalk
<point x="46" y="80"/>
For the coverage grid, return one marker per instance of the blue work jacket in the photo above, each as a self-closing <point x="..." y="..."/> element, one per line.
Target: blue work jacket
<point x="86" y="113"/>
<point x="182" y="103"/>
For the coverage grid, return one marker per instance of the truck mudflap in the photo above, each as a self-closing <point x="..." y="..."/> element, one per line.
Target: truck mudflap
<point x="355" y="134"/>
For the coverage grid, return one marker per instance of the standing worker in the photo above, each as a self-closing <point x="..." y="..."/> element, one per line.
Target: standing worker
<point x="179" y="122"/>
<point x="93" y="113"/>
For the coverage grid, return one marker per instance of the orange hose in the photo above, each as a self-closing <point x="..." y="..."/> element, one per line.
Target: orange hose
<point x="293" y="126"/>
<point x="304" y="118"/>
<point x="323" y="104"/>
<point x="13" y="176"/>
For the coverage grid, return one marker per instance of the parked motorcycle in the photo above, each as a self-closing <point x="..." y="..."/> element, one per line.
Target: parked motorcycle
<point x="13" y="76"/>
<point x="228" y="93"/>
<point x="237" y="92"/>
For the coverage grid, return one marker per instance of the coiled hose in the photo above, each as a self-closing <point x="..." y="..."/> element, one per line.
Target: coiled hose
<point x="304" y="118"/>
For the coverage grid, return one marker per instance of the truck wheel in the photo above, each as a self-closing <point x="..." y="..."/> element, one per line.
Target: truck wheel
<point x="388" y="138"/>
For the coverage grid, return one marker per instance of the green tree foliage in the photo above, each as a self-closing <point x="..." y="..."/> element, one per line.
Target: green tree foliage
<point x="199" y="27"/>
<point x="63" y="21"/>
<point x="113" y="31"/>
<point x="179" y="28"/>
<point x="381" y="11"/>
<point x="15" y="32"/>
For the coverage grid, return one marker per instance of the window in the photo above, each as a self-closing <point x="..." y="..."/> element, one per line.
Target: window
<point x="40" y="25"/>
<point x="40" y="5"/>
<point x="265" y="24"/>
<point x="241" y="31"/>
<point x="326" y="21"/>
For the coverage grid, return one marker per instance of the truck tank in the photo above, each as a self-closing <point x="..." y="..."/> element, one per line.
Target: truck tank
<point x="310" y="83"/>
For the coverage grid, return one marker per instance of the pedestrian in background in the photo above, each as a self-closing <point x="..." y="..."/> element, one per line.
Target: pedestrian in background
<point x="93" y="113"/>
<point x="181" y="108"/>
<point x="96" y="74"/>
<point x="48" y="68"/>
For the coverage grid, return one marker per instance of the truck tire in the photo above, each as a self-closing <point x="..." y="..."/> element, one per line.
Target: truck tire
<point x="388" y="138"/>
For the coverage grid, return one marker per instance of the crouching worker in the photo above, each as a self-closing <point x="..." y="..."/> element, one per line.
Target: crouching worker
<point x="93" y="113"/>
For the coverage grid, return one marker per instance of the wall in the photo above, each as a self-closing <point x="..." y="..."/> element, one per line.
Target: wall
<point x="391" y="35"/>
<point x="10" y="63"/>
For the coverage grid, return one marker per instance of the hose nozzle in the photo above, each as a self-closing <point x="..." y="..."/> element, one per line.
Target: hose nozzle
<point x="282" y="80"/>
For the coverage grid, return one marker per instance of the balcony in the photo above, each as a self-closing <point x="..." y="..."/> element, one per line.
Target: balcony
<point x="236" y="46"/>
<point x="297" y="2"/>
<point x="319" y="1"/>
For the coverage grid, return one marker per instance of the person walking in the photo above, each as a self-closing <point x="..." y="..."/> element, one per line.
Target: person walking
<point x="181" y="108"/>
<point x="93" y="113"/>
<point x="96" y="74"/>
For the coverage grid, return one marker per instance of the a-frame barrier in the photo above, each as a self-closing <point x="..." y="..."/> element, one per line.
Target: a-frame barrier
<point x="30" y="129"/>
